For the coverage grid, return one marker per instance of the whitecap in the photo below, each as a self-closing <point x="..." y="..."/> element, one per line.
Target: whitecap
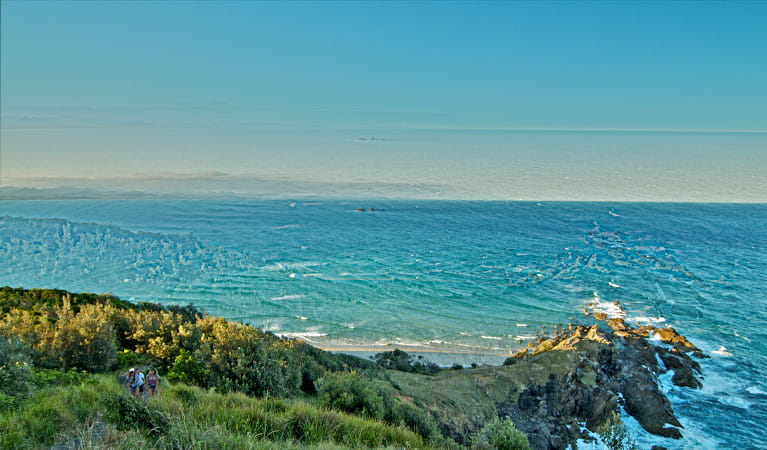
<point x="721" y="351"/>
<point x="521" y="324"/>
<point x="613" y="285"/>
<point x="755" y="390"/>
<point x="612" y="309"/>
<point x="286" y="227"/>
<point x="288" y="297"/>
<point x="302" y="318"/>
<point x="648" y="319"/>
<point x="301" y="334"/>
<point x="406" y="343"/>
<point x="495" y="338"/>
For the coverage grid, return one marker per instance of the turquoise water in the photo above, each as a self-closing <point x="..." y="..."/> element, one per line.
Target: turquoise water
<point x="456" y="278"/>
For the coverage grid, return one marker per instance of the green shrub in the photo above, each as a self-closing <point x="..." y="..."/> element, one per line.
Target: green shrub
<point x="350" y="392"/>
<point x="416" y="419"/>
<point x="501" y="434"/>
<point x="54" y="377"/>
<point x="132" y="413"/>
<point x="128" y="358"/>
<point x="399" y="360"/>
<point x="614" y="434"/>
<point x="7" y="402"/>
<point x="15" y="367"/>
<point x="187" y="369"/>
<point x="244" y="359"/>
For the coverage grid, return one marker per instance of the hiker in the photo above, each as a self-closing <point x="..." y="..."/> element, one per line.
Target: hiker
<point x="136" y="382"/>
<point x="153" y="382"/>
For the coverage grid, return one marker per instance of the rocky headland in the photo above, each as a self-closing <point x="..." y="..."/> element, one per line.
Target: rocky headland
<point x="564" y="384"/>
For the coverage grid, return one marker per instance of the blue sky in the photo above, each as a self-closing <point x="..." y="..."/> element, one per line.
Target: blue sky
<point x="143" y="87"/>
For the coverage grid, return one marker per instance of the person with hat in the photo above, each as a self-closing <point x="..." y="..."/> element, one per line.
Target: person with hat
<point x="136" y="382"/>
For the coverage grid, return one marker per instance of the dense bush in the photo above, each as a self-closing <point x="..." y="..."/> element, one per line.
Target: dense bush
<point x="244" y="359"/>
<point x="42" y="378"/>
<point x="64" y="338"/>
<point x="15" y="367"/>
<point x="399" y="360"/>
<point x="187" y="369"/>
<point x="350" y="392"/>
<point x="501" y="434"/>
<point x="414" y="418"/>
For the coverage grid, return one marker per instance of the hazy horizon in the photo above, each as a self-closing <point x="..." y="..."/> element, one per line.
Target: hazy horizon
<point x="484" y="101"/>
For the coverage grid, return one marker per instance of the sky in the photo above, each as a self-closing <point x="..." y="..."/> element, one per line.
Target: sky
<point x="487" y="100"/>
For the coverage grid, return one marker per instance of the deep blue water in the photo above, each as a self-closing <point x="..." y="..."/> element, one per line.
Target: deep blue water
<point x="442" y="276"/>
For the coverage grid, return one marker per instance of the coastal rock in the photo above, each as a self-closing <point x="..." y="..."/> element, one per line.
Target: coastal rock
<point x="685" y="377"/>
<point x="617" y="324"/>
<point x="579" y="375"/>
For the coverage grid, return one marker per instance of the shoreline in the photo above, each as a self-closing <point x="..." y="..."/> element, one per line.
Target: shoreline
<point x="409" y="349"/>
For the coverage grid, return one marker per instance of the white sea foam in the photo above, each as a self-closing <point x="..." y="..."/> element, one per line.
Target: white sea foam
<point x="288" y="297"/>
<point x="495" y="338"/>
<point x="286" y="227"/>
<point x="612" y="309"/>
<point x="521" y="324"/>
<point x="302" y="318"/>
<point x="525" y="337"/>
<point x="721" y="351"/>
<point x="407" y="343"/>
<point x="742" y="337"/>
<point x="613" y="285"/>
<point x="301" y="334"/>
<point x="647" y="319"/>
<point x="755" y="390"/>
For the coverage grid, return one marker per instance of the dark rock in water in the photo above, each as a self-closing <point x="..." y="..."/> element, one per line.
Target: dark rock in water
<point x="684" y="377"/>
<point x="658" y="447"/>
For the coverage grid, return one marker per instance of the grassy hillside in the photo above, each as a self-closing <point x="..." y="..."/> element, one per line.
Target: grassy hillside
<point x="94" y="411"/>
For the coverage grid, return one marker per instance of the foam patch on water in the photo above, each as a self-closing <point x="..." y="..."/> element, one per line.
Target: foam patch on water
<point x="301" y="334"/>
<point x="289" y="297"/>
<point x="722" y="351"/>
<point x="287" y="227"/>
<point x="648" y="319"/>
<point x="494" y="338"/>
<point x="612" y="309"/>
<point x="755" y="390"/>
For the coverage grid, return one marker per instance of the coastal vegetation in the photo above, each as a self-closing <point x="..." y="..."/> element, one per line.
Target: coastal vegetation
<point x="231" y="385"/>
<point x="61" y="355"/>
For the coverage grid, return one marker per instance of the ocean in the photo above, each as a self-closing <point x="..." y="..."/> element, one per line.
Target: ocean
<point x="457" y="281"/>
